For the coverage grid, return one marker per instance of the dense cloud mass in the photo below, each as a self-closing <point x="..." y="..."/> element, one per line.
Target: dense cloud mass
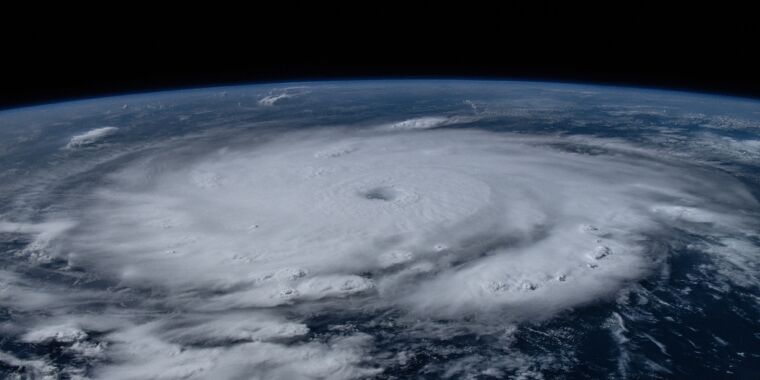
<point x="442" y="223"/>
<point x="214" y="263"/>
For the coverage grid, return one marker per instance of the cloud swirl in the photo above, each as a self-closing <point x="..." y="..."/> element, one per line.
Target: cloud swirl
<point x="232" y="251"/>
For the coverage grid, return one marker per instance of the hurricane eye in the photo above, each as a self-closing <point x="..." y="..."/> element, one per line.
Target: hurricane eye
<point x="383" y="193"/>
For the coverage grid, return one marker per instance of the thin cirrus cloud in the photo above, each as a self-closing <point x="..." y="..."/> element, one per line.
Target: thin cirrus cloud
<point x="278" y="96"/>
<point x="90" y="137"/>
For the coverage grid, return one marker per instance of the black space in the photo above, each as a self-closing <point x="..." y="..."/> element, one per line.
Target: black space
<point x="65" y="60"/>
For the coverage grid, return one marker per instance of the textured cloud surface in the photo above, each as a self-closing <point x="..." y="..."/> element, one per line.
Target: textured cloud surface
<point x="438" y="222"/>
<point x="90" y="137"/>
<point x="432" y="224"/>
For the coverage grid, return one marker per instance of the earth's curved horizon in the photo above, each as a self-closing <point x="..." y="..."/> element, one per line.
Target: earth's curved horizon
<point x="382" y="229"/>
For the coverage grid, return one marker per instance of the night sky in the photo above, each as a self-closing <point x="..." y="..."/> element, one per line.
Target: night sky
<point x="67" y="60"/>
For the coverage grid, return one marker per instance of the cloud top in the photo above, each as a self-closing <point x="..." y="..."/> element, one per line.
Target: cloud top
<point x="498" y="221"/>
<point x="90" y="137"/>
<point x="224" y="258"/>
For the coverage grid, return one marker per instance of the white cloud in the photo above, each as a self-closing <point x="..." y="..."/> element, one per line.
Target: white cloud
<point x="270" y="100"/>
<point x="427" y="122"/>
<point x="139" y="353"/>
<point x="39" y="248"/>
<point x="230" y="327"/>
<point x="60" y="333"/>
<point x="407" y="192"/>
<point x="35" y="369"/>
<point x="90" y="137"/>
<point x="277" y="96"/>
<point x="419" y="123"/>
<point x="244" y="246"/>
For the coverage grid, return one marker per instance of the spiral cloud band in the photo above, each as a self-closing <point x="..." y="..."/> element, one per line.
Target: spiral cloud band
<point x="246" y="244"/>
<point x="438" y="222"/>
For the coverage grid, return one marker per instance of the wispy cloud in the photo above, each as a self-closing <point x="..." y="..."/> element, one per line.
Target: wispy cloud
<point x="90" y="137"/>
<point x="276" y="96"/>
<point x="427" y="122"/>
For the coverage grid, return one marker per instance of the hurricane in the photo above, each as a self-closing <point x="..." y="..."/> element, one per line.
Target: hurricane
<point x="457" y="240"/>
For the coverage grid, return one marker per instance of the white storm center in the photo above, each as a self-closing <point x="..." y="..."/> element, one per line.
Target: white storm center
<point x="434" y="222"/>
